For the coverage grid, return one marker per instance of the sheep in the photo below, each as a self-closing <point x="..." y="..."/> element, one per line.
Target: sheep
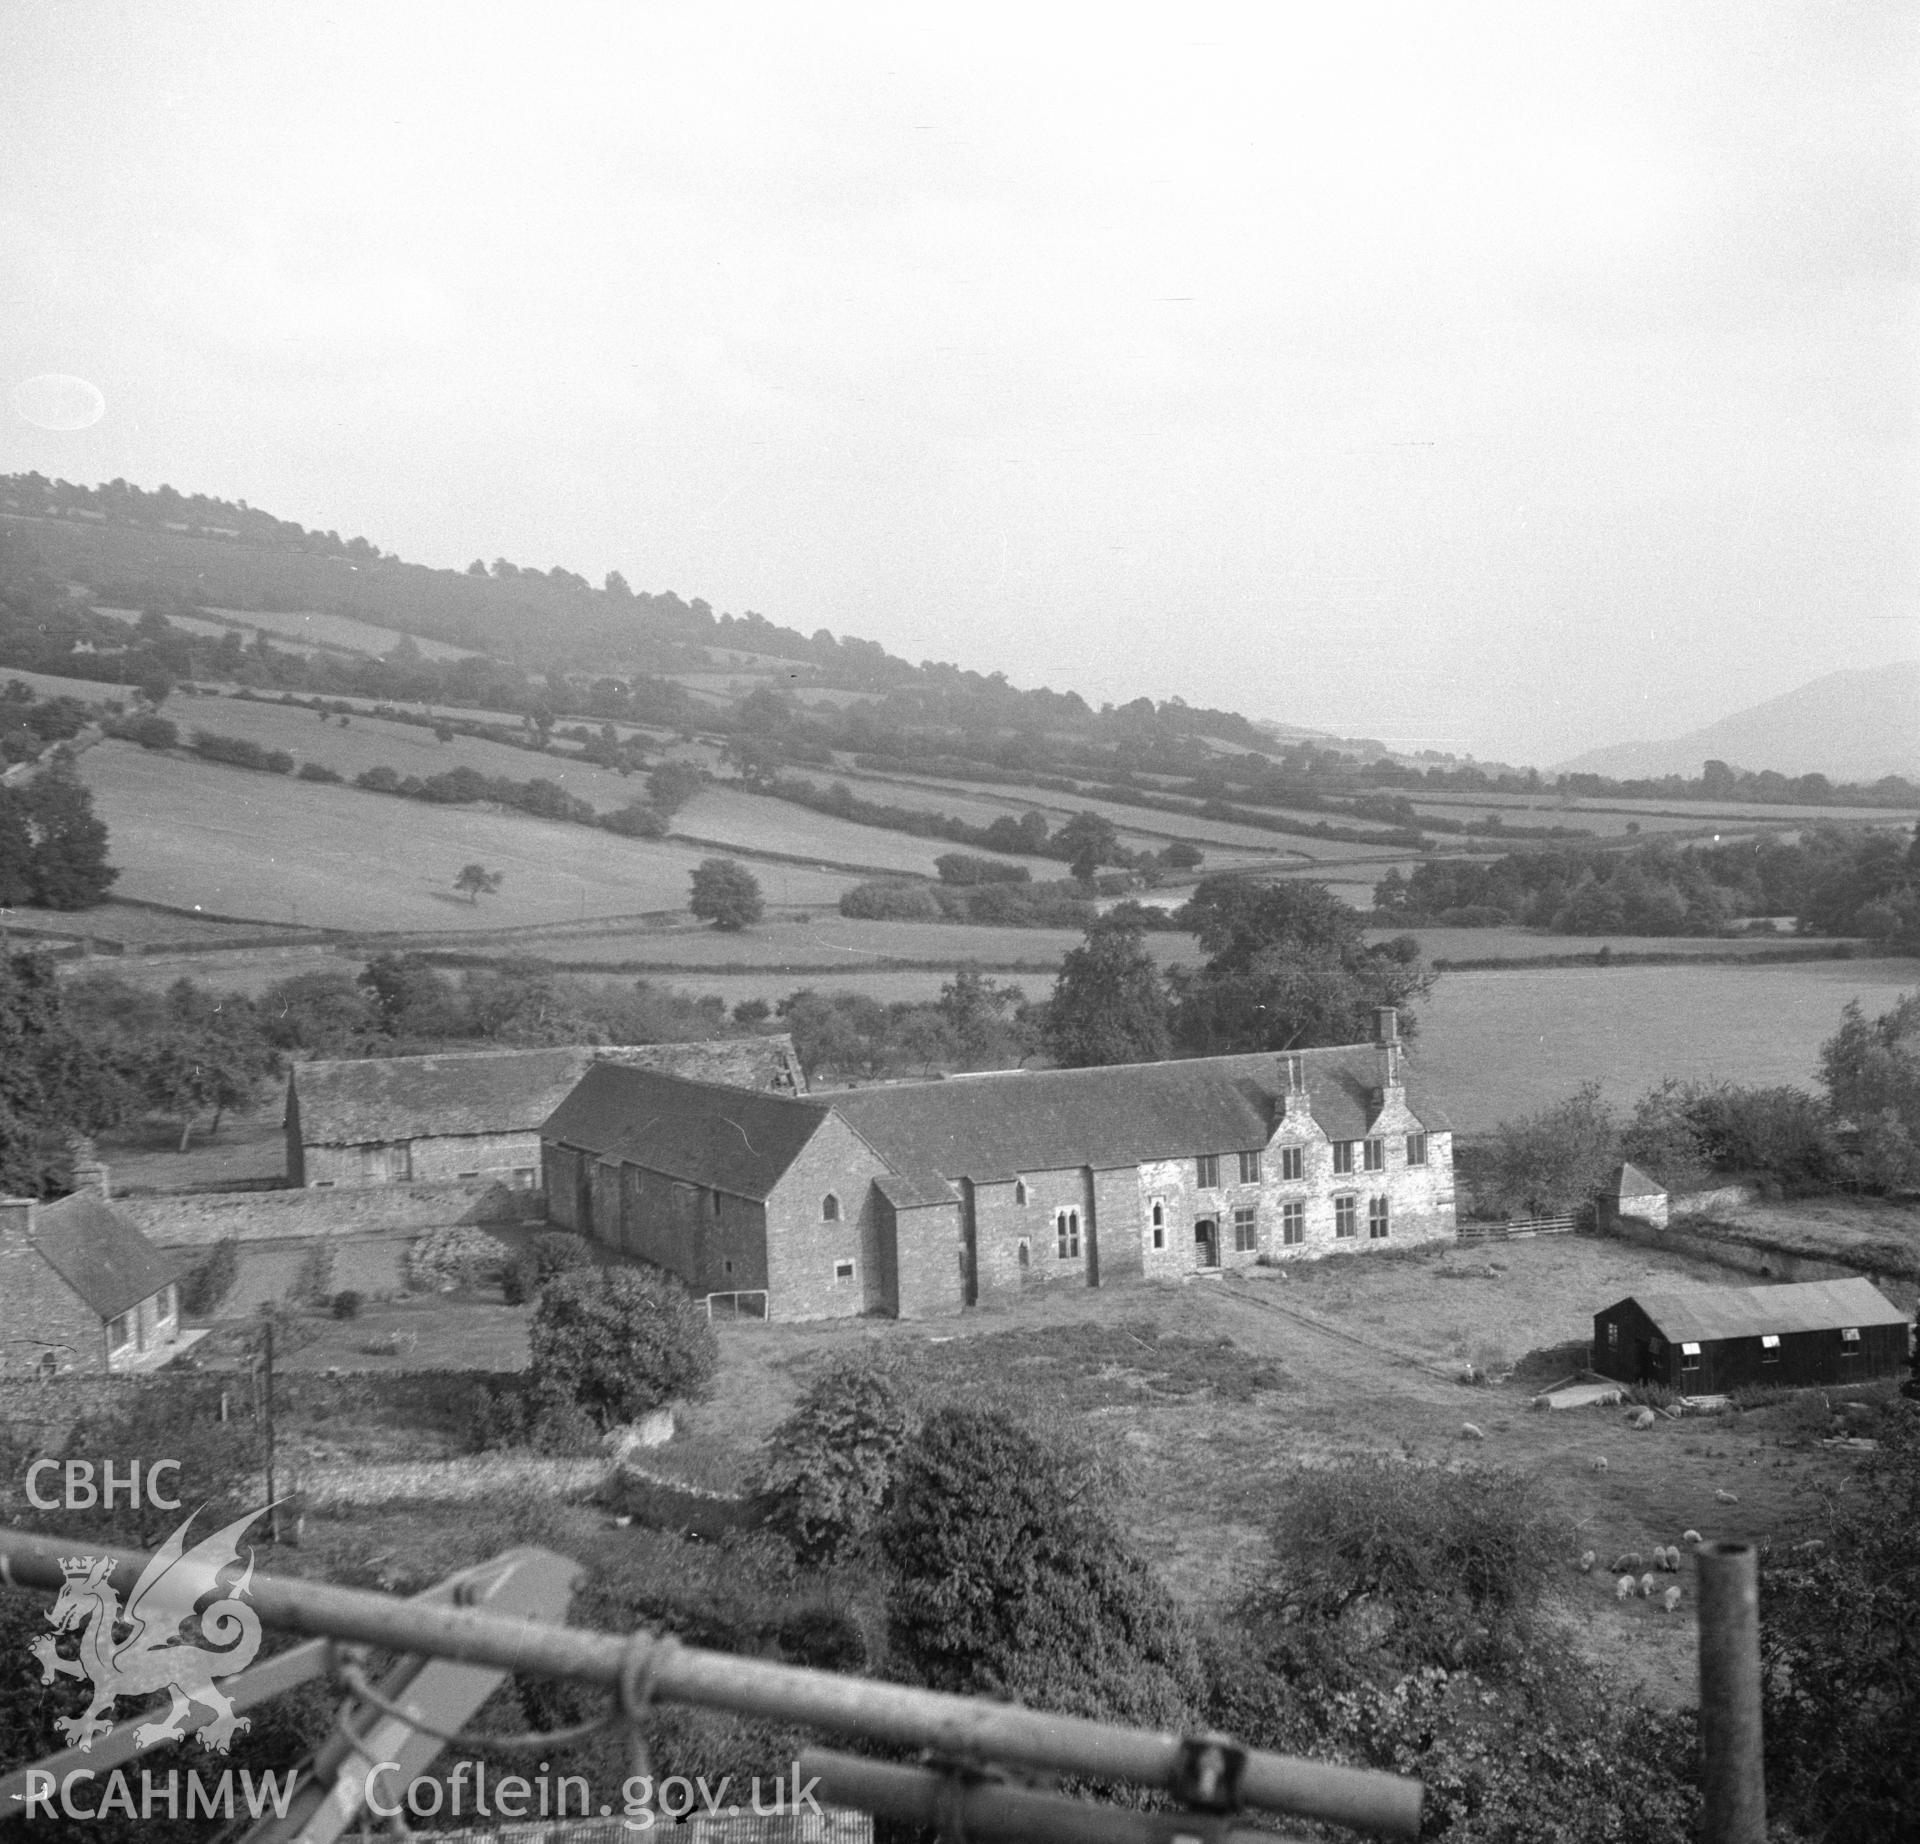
<point x="1598" y="1463"/>
<point x="1671" y="1599"/>
<point x="1587" y="1560"/>
<point x="1640" y="1418"/>
<point x="1691" y="1538"/>
<point x="1629" y="1562"/>
<point x="1646" y="1586"/>
<point x="1468" y="1432"/>
<point x="1727" y="1498"/>
<point x="1623" y="1588"/>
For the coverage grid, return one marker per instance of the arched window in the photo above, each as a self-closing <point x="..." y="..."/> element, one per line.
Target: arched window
<point x="830" y="1208"/>
<point x="1019" y="1190"/>
<point x="1159" y="1214"/>
<point x="1025" y="1253"/>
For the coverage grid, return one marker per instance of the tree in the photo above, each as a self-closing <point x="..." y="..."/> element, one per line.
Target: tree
<point x="1550" y="1162"/>
<point x="725" y="894"/>
<point x="620" y="1342"/>
<point x="1290" y="968"/>
<point x="1872" y="1076"/>
<point x="1009" y="1576"/>
<point x="477" y="881"/>
<point x="1087" y="841"/>
<point x="70" y="869"/>
<point x="975" y="1011"/>
<point x="327" y="1012"/>
<point x="1109" y="1004"/>
<point x="830" y="1464"/>
<point x="16" y="852"/>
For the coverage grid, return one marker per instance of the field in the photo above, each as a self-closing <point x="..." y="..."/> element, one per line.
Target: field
<point x="191" y="834"/>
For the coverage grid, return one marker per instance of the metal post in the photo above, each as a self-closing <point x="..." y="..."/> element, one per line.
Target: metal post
<point x="960" y="1728"/>
<point x="1732" y="1779"/>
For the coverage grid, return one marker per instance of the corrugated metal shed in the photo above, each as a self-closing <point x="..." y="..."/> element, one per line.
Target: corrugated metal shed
<point x="702" y="1133"/>
<point x="1698" y="1315"/>
<point x="381" y="1100"/>
<point x="99" y="1254"/>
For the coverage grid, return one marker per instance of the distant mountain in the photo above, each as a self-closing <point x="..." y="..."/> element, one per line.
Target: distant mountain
<point x="1850" y="726"/>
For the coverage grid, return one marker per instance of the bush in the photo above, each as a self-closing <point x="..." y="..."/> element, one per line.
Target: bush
<point x="830" y="1464"/>
<point x="636" y="821"/>
<point x="208" y="1282"/>
<point x="560" y="1251"/>
<point x="824" y="1638"/>
<point x="1008" y="1580"/>
<point x="148" y="731"/>
<point x="241" y="752"/>
<point x="1551" y="1162"/>
<point x="313" y="1281"/>
<point x="457" y="1256"/>
<point x="347" y="1302"/>
<point x="520" y="1280"/>
<point x="962" y="868"/>
<point x="619" y="1342"/>
<point x="318" y="771"/>
<point x="1784" y="1133"/>
<point x="1448" y="1566"/>
<point x="886" y="901"/>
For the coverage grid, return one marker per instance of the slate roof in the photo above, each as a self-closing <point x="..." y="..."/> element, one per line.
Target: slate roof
<point x="1699" y="1315"/>
<point x="382" y="1099"/>
<point x="99" y="1254"/>
<point x="913" y="1190"/>
<point x="703" y="1133"/>
<point x="1631" y="1181"/>
<point x="996" y="1127"/>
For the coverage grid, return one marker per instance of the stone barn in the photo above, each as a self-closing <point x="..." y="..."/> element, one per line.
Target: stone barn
<point x="926" y="1198"/>
<point x="1629" y="1192"/>
<point x="1709" y="1340"/>
<point x="81" y="1289"/>
<point x="474" y="1116"/>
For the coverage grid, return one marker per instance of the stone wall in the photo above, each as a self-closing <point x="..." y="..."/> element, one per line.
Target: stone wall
<point x="192" y="1219"/>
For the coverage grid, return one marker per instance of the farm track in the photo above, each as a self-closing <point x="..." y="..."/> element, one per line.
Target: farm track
<point x="1372" y="1347"/>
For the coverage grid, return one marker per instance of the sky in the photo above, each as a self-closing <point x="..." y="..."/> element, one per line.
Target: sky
<point x="1507" y="379"/>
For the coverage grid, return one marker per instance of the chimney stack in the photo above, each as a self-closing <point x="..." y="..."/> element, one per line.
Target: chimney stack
<point x="1294" y="1097"/>
<point x="1386" y="1025"/>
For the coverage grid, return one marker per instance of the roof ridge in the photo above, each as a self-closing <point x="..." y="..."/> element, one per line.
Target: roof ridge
<point x="1093" y="1069"/>
<point x="719" y="1088"/>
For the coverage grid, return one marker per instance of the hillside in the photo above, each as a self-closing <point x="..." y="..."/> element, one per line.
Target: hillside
<point x="1849" y="726"/>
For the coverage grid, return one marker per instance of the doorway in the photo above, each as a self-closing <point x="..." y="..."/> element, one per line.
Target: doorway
<point x="1206" y="1242"/>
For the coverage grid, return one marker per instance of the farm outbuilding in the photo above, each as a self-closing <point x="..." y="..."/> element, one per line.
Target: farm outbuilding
<point x="474" y="1116"/>
<point x="1708" y="1340"/>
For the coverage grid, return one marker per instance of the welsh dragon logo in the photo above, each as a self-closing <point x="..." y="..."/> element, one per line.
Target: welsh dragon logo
<point x="153" y="1654"/>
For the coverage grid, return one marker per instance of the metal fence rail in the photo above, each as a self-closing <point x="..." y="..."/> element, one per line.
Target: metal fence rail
<point x="1209" y="1773"/>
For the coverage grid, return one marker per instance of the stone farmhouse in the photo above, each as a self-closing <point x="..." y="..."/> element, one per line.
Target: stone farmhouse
<point x="926" y="1198"/>
<point x="81" y="1289"/>
<point x="474" y="1116"/>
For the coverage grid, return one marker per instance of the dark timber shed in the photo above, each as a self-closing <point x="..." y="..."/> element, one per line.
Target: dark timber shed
<point x="1708" y="1340"/>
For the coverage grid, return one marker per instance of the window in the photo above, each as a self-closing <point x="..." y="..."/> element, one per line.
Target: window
<point x="1066" y="1233"/>
<point x="1689" y="1358"/>
<point x="1024" y="1254"/>
<point x="523" y="1177"/>
<point x="1850" y="1342"/>
<point x="1770" y="1348"/>
<point x="1206" y="1170"/>
<point x="1246" y="1229"/>
<point x="1416" y="1149"/>
<point x="1343" y="1155"/>
<point x="1293" y="1223"/>
<point x="466" y="1174"/>
<point x="713" y="1202"/>
<point x="1345" y="1215"/>
<point x="1376" y="1219"/>
<point x="830" y="1208"/>
<point x="1293" y="1163"/>
<point x="1250" y="1168"/>
<point x="1613" y="1336"/>
<point x="1019" y="1190"/>
<point x="119" y="1332"/>
<point x="842" y="1271"/>
<point x="726" y="1268"/>
<point x="1376" y="1155"/>
<point x="1159" y="1221"/>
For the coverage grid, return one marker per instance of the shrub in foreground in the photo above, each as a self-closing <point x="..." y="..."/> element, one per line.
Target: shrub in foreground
<point x="619" y="1342"/>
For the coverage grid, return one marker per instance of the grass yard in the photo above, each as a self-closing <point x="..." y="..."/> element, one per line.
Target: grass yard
<point x="194" y="834"/>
